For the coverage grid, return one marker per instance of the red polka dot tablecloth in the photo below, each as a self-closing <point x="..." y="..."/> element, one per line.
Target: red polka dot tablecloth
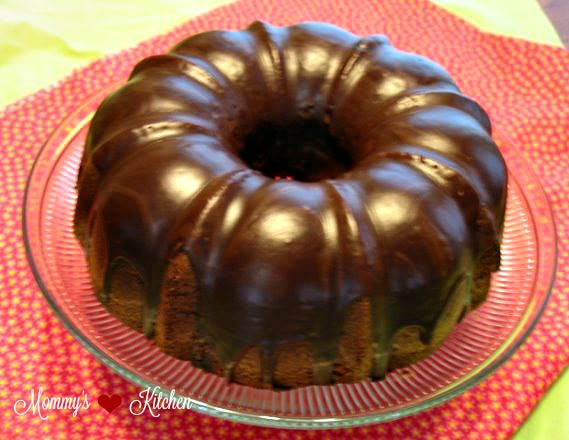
<point x="525" y="88"/>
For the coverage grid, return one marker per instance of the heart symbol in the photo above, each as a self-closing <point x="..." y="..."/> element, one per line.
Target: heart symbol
<point x="109" y="403"/>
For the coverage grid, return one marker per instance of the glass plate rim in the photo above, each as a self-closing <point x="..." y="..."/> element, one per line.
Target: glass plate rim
<point x="479" y="374"/>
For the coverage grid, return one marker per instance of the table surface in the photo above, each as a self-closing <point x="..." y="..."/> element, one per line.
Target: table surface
<point x="558" y="12"/>
<point x="555" y="403"/>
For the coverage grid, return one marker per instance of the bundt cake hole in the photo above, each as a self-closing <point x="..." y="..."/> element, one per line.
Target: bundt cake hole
<point x="302" y="150"/>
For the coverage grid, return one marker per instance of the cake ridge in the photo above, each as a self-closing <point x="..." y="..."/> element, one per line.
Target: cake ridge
<point x="218" y="82"/>
<point x="407" y="102"/>
<point x="275" y="54"/>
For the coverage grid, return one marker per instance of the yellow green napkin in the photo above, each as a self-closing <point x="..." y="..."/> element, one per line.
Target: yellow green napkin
<point x="42" y="40"/>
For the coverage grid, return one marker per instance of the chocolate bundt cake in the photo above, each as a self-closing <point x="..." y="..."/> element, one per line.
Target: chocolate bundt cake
<point x="287" y="206"/>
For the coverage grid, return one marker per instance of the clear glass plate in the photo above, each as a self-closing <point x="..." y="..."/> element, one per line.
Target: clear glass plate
<point x="483" y="341"/>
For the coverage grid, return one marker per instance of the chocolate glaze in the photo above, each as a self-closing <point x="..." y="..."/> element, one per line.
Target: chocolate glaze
<point x="416" y="194"/>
